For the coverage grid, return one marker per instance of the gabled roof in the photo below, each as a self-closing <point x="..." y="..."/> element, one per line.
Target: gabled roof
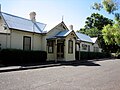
<point x="60" y="24"/>
<point x="18" y="23"/>
<point x="94" y="39"/>
<point x="84" y="37"/>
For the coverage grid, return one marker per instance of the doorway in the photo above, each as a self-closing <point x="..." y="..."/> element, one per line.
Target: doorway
<point x="60" y="50"/>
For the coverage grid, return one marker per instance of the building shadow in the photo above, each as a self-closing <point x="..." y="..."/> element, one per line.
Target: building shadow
<point x="80" y="63"/>
<point x="49" y="64"/>
<point x="58" y="63"/>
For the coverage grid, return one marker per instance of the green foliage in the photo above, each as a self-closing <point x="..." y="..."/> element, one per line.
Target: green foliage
<point x="117" y="17"/>
<point x="93" y="32"/>
<point x="13" y="56"/>
<point x="91" y="55"/>
<point x="111" y="34"/>
<point x="94" y="24"/>
<point x="97" y="21"/>
<point x="97" y="6"/>
<point x="110" y="6"/>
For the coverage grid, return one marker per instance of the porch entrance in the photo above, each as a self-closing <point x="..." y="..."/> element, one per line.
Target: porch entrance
<point x="60" y="49"/>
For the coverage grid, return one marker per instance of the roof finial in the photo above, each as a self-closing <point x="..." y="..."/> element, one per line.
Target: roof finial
<point x="62" y="18"/>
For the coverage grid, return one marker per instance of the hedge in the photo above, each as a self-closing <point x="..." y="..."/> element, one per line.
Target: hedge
<point x="92" y="55"/>
<point x="13" y="56"/>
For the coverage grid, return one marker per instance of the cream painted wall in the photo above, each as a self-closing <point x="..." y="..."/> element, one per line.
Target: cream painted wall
<point x="91" y="46"/>
<point x="4" y="35"/>
<point x="37" y="42"/>
<point x="96" y="45"/>
<point x="68" y="56"/>
<point x="2" y="24"/>
<point x="51" y="33"/>
<point x="4" y="41"/>
<point x="44" y="43"/>
<point x="17" y="40"/>
<point x="54" y="31"/>
<point x="51" y="56"/>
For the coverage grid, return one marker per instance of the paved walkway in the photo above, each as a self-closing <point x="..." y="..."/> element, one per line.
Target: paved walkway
<point x="17" y="68"/>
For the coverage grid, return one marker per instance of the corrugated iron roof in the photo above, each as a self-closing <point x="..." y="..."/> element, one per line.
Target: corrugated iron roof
<point x="23" y="24"/>
<point x="63" y="33"/>
<point x="84" y="37"/>
<point x="60" y="34"/>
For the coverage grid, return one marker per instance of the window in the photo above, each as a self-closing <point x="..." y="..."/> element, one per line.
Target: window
<point x="50" y="46"/>
<point x="84" y="47"/>
<point x="70" y="46"/>
<point x="26" y="43"/>
<point x="77" y="47"/>
<point x="88" y="48"/>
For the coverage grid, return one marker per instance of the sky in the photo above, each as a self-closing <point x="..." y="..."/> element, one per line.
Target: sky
<point x="50" y="12"/>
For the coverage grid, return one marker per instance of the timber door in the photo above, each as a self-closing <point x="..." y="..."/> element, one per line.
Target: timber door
<point x="60" y="50"/>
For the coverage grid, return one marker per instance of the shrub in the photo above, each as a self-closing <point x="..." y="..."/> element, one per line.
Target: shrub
<point x="13" y="56"/>
<point x="91" y="55"/>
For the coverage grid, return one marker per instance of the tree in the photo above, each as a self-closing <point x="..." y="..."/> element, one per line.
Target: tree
<point x="94" y="24"/>
<point x="111" y="34"/>
<point x="117" y="17"/>
<point x="109" y="6"/>
<point x="93" y="32"/>
<point x="93" y="27"/>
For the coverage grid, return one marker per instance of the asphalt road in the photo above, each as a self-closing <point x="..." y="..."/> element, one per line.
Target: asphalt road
<point x="100" y="75"/>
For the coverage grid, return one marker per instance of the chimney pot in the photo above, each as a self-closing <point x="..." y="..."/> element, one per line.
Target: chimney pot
<point x="71" y="27"/>
<point x="32" y="16"/>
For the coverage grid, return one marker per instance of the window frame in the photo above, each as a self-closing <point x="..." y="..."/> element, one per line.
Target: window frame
<point x="24" y="43"/>
<point x="70" y="46"/>
<point x="50" y="46"/>
<point x="84" y="47"/>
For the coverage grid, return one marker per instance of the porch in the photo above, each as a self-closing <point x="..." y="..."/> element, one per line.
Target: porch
<point x="60" y="49"/>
